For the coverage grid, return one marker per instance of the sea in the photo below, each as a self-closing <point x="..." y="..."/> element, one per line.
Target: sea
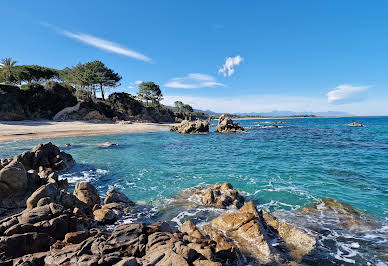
<point x="318" y="174"/>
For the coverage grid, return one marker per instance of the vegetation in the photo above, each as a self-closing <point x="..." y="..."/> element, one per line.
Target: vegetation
<point x="7" y="69"/>
<point x="180" y="107"/>
<point x="149" y="91"/>
<point x="91" y="76"/>
<point x="35" y="92"/>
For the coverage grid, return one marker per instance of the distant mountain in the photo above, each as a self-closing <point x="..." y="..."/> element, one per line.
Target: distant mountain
<point x="292" y="113"/>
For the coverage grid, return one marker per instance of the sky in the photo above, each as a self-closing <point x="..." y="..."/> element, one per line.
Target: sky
<point x="226" y="56"/>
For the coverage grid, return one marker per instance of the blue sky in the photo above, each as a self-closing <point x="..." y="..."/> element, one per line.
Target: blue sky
<point x="227" y="56"/>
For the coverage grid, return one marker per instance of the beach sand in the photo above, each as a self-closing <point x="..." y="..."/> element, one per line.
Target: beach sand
<point x="21" y="130"/>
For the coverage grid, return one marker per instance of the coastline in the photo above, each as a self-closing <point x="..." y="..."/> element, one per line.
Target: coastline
<point x="23" y="130"/>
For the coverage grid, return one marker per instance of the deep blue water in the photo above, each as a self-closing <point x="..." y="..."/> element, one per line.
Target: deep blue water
<point x="281" y="169"/>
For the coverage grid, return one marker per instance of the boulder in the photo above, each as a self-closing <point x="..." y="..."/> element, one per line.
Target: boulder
<point x="115" y="196"/>
<point x="46" y="192"/>
<point x="226" y="125"/>
<point x="191" y="127"/>
<point x="87" y="193"/>
<point x="46" y="156"/>
<point x="13" y="179"/>
<point x="261" y="236"/>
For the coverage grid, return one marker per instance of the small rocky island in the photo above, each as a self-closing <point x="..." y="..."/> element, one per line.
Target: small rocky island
<point x="225" y="125"/>
<point x="43" y="223"/>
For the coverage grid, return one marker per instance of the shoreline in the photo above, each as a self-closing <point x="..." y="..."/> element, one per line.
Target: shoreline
<point x="28" y="129"/>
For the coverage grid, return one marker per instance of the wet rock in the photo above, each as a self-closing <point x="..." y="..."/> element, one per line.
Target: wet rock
<point x="226" y="125"/>
<point x="344" y="215"/>
<point x="220" y="196"/>
<point x="107" y="144"/>
<point x="87" y="193"/>
<point x="13" y="179"/>
<point x="191" y="127"/>
<point x="258" y="232"/>
<point x="113" y="195"/>
<point x="355" y="124"/>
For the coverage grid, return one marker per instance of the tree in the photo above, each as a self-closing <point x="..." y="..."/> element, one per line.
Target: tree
<point x="149" y="91"/>
<point x="180" y="107"/>
<point x="91" y="76"/>
<point x="103" y="76"/>
<point x="7" y="68"/>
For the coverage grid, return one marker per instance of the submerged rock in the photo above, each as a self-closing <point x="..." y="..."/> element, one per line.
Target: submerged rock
<point x="191" y="127"/>
<point x="108" y="144"/>
<point x="345" y="215"/>
<point x="226" y="125"/>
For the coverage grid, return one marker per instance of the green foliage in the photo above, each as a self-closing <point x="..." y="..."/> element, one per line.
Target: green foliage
<point x="91" y="76"/>
<point x="83" y="95"/>
<point x="125" y="103"/>
<point x="180" y="107"/>
<point x="149" y="91"/>
<point x="7" y="69"/>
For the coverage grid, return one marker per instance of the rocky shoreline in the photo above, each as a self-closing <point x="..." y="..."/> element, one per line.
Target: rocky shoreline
<point x="44" y="224"/>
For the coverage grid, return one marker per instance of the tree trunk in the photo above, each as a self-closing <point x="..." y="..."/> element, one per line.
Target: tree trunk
<point x="102" y="92"/>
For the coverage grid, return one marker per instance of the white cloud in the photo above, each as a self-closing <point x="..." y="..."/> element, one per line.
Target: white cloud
<point x="193" y="81"/>
<point x="101" y="43"/>
<point x="137" y="82"/>
<point x="346" y="93"/>
<point x="230" y="62"/>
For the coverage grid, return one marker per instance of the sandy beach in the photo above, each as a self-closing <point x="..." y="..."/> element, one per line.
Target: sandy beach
<point x="21" y="130"/>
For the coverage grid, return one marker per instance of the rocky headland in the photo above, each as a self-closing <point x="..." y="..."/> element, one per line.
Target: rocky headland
<point x="44" y="223"/>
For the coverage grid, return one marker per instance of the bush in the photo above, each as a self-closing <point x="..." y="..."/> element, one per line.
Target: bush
<point x="125" y="103"/>
<point x="83" y="95"/>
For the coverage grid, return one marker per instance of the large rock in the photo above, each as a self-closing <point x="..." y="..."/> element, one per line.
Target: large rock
<point x="191" y="127"/>
<point x="226" y="125"/>
<point x="13" y="179"/>
<point x="262" y="236"/>
<point x="47" y="156"/>
<point x="115" y="196"/>
<point x="87" y="193"/>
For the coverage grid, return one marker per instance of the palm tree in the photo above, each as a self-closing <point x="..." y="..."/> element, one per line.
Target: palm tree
<point x="7" y="67"/>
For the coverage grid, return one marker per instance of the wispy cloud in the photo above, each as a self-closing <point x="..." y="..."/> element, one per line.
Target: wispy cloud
<point x="230" y="62"/>
<point x="346" y="93"/>
<point x="100" y="43"/>
<point x="137" y="82"/>
<point x="193" y="81"/>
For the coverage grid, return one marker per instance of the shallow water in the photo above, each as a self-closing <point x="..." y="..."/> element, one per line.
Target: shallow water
<point x="282" y="169"/>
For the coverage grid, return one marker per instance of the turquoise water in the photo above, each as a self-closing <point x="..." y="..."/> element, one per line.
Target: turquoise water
<point x="281" y="169"/>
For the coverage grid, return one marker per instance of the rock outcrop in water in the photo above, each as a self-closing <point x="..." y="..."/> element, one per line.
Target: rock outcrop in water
<point x="191" y="127"/>
<point x="355" y="124"/>
<point x="261" y="236"/>
<point x="21" y="175"/>
<point x="62" y="228"/>
<point x="226" y="125"/>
